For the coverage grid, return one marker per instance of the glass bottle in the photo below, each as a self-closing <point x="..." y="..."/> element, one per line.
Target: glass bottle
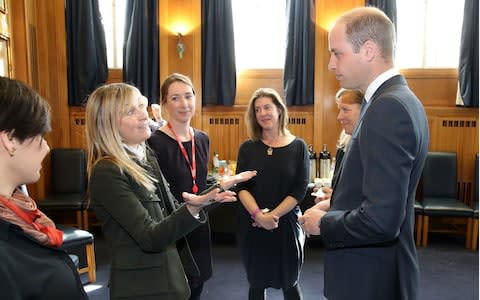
<point x="325" y="162"/>
<point x="216" y="163"/>
<point x="313" y="163"/>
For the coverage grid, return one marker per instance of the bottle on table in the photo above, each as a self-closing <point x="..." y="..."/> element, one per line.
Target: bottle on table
<point x="325" y="163"/>
<point x="313" y="163"/>
<point x="215" y="162"/>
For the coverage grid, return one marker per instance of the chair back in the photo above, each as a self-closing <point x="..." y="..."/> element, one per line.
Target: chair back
<point x="440" y="175"/>
<point x="69" y="173"/>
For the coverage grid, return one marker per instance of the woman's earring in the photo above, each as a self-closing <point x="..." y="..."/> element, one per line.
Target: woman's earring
<point x="12" y="152"/>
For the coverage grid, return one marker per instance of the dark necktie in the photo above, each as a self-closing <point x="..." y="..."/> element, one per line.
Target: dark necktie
<point x="362" y="109"/>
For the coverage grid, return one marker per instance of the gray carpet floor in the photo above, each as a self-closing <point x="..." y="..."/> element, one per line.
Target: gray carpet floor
<point x="448" y="271"/>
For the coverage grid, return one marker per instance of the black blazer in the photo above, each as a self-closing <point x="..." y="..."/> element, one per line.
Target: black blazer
<point x="29" y="270"/>
<point x="368" y="231"/>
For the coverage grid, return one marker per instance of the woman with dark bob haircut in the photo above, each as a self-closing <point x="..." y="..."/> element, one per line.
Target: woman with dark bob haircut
<point x="29" y="240"/>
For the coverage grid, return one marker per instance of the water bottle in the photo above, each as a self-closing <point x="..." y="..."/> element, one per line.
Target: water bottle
<point x="325" y="163"/>
<point x="216" y="163"/>
<point x="313" y="163"/>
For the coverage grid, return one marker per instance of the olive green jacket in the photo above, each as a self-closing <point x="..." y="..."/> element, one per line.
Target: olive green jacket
<point x="142" y="231"/>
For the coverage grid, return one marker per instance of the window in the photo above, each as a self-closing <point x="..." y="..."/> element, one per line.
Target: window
<point x="113" y="19"/>
<point x="428" y="33"/>
<point x="260" y="33"/>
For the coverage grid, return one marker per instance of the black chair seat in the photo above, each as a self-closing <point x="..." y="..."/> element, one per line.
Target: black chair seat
<point x="66" y="201"/>
<point x="418" y="207"/>
<point x="73" y="237"/>
<point x="446" y="207"/>
<point x="475" y="210"/>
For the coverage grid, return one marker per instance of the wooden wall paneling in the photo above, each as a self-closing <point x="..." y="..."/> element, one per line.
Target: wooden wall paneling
<point x="45" y="35"/>
<point x="115" y="75"/>
<point x="184" y="15"/>
<point x="51" y="66"/>
<point x="77" y="128"/>
<point x="248" y="81"/>
<point x="19" y="42"/>
<point x="458" y="134"/>
<point x="326" y="128"/>
<point x="434" y="87"/>
<point x="301" y="125"/>
<point x="21" y="59"/>
<point x="5" y="35"/>
<point x="226" y="132"/>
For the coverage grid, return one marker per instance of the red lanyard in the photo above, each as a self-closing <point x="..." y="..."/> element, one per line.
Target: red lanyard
<point x="193" y="165"/>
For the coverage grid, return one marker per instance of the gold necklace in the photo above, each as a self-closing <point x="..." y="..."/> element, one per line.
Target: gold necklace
<point x="269" y="151"/>
<point x="270" y="148"/>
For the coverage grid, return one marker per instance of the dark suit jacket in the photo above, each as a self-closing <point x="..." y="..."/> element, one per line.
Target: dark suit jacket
<point x="141" y="233"/>
<point x="368" y="231"/>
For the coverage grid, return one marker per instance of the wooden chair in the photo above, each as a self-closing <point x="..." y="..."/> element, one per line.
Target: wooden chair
<point x="418" y="222"/>
<point x="74" y="238"/>
<point x="439" y="196"/>
<point x="68" y="184"/>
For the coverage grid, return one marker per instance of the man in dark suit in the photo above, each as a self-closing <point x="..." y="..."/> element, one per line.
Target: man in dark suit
<point x="368" y="230"/>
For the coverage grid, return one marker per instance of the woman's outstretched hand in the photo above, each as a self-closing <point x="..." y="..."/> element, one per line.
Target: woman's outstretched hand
<point x="211" y="197"/>
<point x="229" y="181"/>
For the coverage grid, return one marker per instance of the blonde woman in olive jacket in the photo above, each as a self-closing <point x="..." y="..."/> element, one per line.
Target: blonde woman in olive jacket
<point x="141" y="220"/>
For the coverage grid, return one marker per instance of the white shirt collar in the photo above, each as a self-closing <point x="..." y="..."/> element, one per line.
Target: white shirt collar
<point x="374" y="85"/>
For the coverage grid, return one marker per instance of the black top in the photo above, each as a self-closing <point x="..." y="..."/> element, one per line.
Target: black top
<point x="273" y="258"/>
<point x="30" y="270"/>
<point x="177" y="173"/>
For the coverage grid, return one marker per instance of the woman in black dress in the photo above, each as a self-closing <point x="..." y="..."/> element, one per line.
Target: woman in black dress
<point x="169" y="143"/>
<point x="183" y="154"/>
<point x="270" y="239"/>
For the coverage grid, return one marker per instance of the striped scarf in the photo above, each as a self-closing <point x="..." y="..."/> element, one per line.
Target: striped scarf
<point x="22" y="211"/>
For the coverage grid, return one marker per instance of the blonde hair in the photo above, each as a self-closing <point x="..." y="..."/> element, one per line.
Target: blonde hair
<point x="356" y="96"/>
<point x="105" y="107"/>
<point x="254" y="130"/>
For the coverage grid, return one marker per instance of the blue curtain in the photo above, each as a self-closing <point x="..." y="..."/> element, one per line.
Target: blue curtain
<point x="86" y="50"/>
<point x="219" y="78"/>
<point x="389" y="7"/>
<point x="140" y="49"/>
<point x="298" y="77"/>
<point x="468" y="64"/>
